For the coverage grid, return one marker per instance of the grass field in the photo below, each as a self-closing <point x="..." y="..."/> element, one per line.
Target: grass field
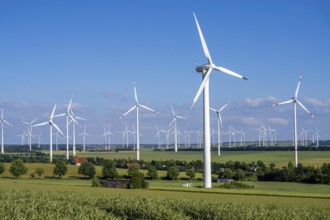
<point x="280" y="158"/>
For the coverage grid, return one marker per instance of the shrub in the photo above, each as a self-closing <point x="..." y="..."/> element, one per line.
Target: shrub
<point x="39" y="171"/>
<point x="18" y="168"/>
<point x="191" y="173"/>
<point x="172" y="173"/>
<point x="96" y="182"/>
<point x="60" y="168"/>
<point x="152" y="172"/>
<point x="87" y="169"/>
<point x="109" y="170"/>
<point x="2" y="168"/>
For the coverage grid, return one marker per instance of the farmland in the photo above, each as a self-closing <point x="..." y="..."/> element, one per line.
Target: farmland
<point x="266" y="200"/>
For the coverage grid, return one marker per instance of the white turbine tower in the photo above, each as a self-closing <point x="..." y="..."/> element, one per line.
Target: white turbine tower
<point x="295" y="100"/>
<point x="84" y="134"/>
<point x="22" y="136"/>
<point x="51" y="124"/>
<point x="29" y="131"/>
<point x="175" y="128"/>
<point x="206" y="70"/>
<point x="68" y="115"/>
<point x="136" y="106"/>
<point x="218" y="112"/>
<point x="2" y="122"/>
<point x="74" y="122"/>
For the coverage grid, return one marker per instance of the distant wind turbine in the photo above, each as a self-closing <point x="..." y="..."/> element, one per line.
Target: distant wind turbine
<point x="29" y="131"/>
<point x="218" y="112"/>
<point x="136" y="106"/>
<point x="175" y="116"/>
<point x="295" y="100"/>
<point x="84" y="134"/>
<point x="2" y="131"/>
<point x="51" y="124"/>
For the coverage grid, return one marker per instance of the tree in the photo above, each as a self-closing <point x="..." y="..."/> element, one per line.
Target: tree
<point x="39" y="171"/>
<point x="138" y="180"/>
<point x="2" y="168"/>
<point x="191" y="173"/>
<point x="60" y="168"/>
<point x="87" y="169"/>
<point x="152" y="172"/>
<point x="228" y="173"/>
<point x="239" y="174"/>
<point x="173" y="173"/>
<point x="132" y="170"/>
<point x="109" y="170"/>
<point x="18" y="168"/>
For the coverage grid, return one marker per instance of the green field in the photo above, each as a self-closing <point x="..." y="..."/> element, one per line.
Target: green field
<point x="280" y="158"/>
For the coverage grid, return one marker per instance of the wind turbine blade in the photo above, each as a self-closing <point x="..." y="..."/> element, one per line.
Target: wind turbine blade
<point x="69" y="106"/>
<point x="81" y="118"/>
<point x="201" y="88"/>
<point x="145" y="107"/>
<point x="135" y="94"/>
<point x="172" y="110"/>
<point x="171" y="122"/>
<point x="52" y="115"/>
<point x="7" y="122"/>
<point x="220" y="118"/>
<point x="223" y="107"/>
<point x="26" y="122"/>
<point x="297" y="90"/>
<point x="282" y="103"/>
<point x="181" y="117"/>
<point x="206" y="50"/>
<point x="229" y="72"/>
<point x="306" y="109"/>
<point x="128" y="111"/>
<point x="57" y="128"/>
<point x="40" y="124"/>
<point x="59" y="115"/>
<point x="33" y="121"/>
<point x="213" y="109"/>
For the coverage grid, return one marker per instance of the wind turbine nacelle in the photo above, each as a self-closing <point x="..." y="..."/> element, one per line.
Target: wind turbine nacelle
<point x="202" y="68"/>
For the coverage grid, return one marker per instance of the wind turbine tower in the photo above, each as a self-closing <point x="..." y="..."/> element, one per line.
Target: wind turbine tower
<point x="136" y="106"/>
<point x="218" y="112"/>
<point x="295" y="100"/>
<point x="206" y="70"/>
<point x="175" y="128"/>
<point x="2" y="122"/>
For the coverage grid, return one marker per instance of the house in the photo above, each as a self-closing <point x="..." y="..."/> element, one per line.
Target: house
<point x="123" y="184"/>
<point x="131" y="164"/>
<point x="79" y="160"/>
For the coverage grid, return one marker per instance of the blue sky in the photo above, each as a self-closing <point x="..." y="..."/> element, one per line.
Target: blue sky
<point x="50" y="50"/>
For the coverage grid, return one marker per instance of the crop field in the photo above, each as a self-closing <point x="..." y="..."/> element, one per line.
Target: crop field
<point x="73" y="199"/>
<point x="280" y="158"/>
<point x="164" y="199"/>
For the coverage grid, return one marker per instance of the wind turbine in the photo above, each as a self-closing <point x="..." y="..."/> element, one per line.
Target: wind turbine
<point x="74" y="122"/>
<point x="2" y="122"/>
<point x="22" y="136"/>
<point x="158" y="136"/>
<point x="206" y="70"/>
<point x="51" y="124"/>
<point x="84" y="134"/>
<point x="295" y="100"/>
<point x="218" y="112"/>
<point x="175" y="116"/>
<point x="68" y="115"/>
<point x="136" y="106"/>
<point x="29" y="131"/>
<point x="56" y="140"/>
